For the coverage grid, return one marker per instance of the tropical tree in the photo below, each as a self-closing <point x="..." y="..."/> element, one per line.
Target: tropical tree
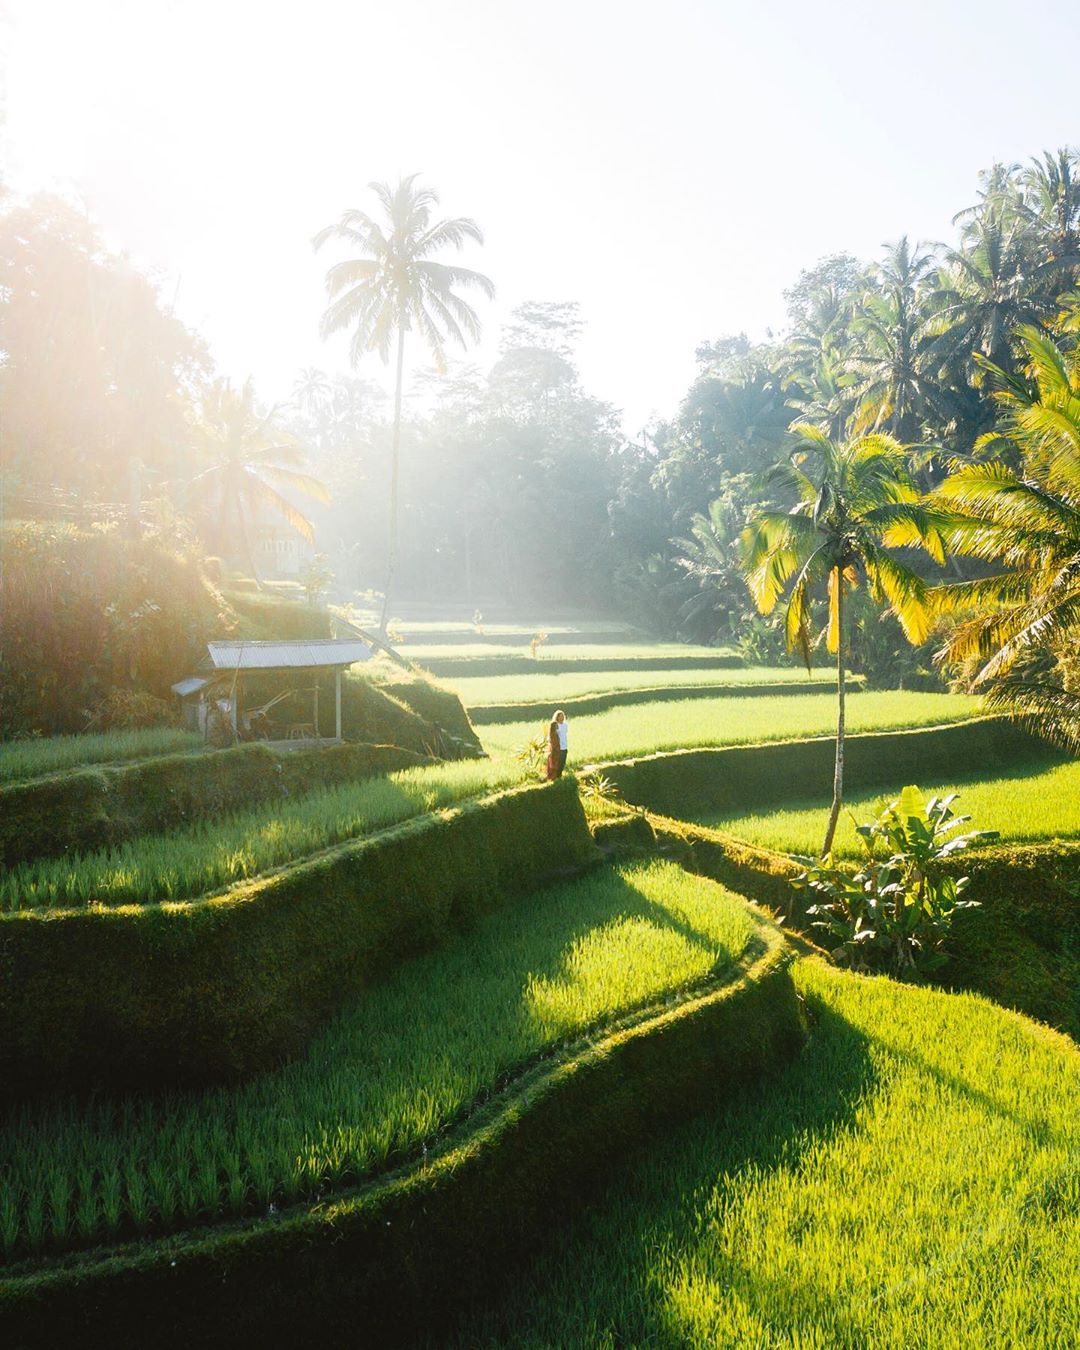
<point x="1016" y="630"/>
<point x="251" y="460"/>
<point x="395" y="287"/>
<point x="888" y="356"/>
<point x="851" y="499"/>
<point x="1051" y="188"/>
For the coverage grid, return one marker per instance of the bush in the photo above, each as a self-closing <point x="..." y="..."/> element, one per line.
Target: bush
<point x="93" y="807"/>
<point x="215" y="989"/>
<point x="895" y="913"/>
<point x="90" y="611"/>
<point x="396" y="1255"/>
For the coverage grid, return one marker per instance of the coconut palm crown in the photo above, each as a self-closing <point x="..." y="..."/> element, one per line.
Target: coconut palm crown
<point x="853" y="500"/>
<point x="250" y="462"/>
<point x="1023" y="516"/>
<point x="396" y="287"/>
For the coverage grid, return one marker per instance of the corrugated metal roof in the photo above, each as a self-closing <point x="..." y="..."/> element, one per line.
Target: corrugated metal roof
<point x="189" y="686"/>
<point x="287" y="655"/>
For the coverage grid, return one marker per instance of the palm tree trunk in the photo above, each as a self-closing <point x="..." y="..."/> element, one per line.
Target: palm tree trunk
<point x="838" y="772"/>
<point x="391" y="552"/>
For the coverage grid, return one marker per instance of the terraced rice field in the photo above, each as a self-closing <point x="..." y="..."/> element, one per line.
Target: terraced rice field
<point x="1039" y="801"/>
<point x="387" y="1076"/>
<point x="911" y="1180"/>
<point x="643" y="729"/>
<point x="33" y="758"/>
<point x="507" y="689"/>
<point x="193" y="860"/>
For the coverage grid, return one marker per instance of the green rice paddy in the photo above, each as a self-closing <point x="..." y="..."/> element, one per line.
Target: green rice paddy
<point x="210" y="855"/>
<point x="644" y="728"/>
<point x="1038" y="801"/>
<point x="34" y="758"/>
<point x="386" y="1077"/>
<point x="913" y="1179"/>
<point x="474" y="690"/>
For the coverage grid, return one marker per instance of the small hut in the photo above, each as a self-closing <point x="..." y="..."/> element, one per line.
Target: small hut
<point x="224" y="702"/>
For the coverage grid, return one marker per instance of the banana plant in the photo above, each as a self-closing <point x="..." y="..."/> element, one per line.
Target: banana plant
<point x="895" y="913"/>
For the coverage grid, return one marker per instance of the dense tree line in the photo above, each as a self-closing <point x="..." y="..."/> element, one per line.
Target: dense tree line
<point x="517" y="486"/>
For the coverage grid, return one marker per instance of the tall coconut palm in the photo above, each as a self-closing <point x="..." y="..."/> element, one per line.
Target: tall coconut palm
<point x="1052" y="203"/>
<point x="851" y="497"/>
<point x="1024" y="517"/>
<point x="250" y="461"/>
<point x="395" y="287"/>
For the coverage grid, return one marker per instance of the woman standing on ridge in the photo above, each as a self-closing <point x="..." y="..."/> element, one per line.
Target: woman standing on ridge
<point x="557" y="743"/>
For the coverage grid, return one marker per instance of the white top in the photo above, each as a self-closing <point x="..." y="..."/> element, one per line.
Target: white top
<point x="562" y="734"/>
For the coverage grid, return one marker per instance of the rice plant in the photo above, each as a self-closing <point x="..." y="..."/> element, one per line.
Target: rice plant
<point x="911" y="1179"/>
<point x="1037" y="801"/>
<point x="644" y="728"/>
<point x="212" y="854"/>
<point x="385" y="1078"/>
<point x="34" y="758"/>
<point x="479" y="689"/>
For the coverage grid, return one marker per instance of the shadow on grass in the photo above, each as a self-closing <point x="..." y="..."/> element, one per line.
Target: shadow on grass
<point x="603" y="1270"/>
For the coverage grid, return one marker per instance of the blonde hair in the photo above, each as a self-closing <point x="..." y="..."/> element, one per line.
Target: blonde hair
<point x="558" y="715"/>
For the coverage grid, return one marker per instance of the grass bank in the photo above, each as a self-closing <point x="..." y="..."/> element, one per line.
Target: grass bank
<point x="37" y="756"/>
<point x="651" y="727"/>
<point x="184" y="863"/>
<point x="849" y="1202"/>
<point x="1039" y="800"/>
<point x="475" y="691"/>
<point x="386" y="1077"/>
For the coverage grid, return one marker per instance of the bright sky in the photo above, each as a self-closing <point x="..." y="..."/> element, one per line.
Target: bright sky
<point x="669" y="165"/>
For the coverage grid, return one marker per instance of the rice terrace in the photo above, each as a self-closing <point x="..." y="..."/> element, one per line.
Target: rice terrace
<point x="485" y="862"/>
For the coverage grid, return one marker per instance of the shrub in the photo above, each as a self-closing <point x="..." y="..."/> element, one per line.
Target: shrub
<point x="895" y="913"/>
<point x="89" y="611"/>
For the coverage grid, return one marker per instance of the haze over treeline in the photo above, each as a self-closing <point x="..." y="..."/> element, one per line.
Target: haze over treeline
<point x="518" y="485"/>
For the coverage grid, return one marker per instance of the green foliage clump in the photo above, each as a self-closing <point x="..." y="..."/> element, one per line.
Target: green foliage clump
<point x="895" y="913"/>
<point x="87" y="612"/>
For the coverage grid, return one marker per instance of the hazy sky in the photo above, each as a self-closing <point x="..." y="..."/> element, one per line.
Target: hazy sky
<point x="670" y="165"/>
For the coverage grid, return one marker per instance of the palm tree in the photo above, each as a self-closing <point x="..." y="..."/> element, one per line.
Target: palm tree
<point x="988" y="287"/>
<point x="852" y="497"/>
<point x="890" y="342"/>
<point x="395" y="287"/>
<point x="1052" y="203"/>
<point x="1016" y="626"/>
<point x="251" y="461"/>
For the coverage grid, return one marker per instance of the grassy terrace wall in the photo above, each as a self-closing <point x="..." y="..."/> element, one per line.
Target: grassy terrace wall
<point x="730" y="778"/>
<point x="487" y="714"/>
<point x="96" y="806"/>
<point x="376" y="1264"/>
<point x="215" y="989"/>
